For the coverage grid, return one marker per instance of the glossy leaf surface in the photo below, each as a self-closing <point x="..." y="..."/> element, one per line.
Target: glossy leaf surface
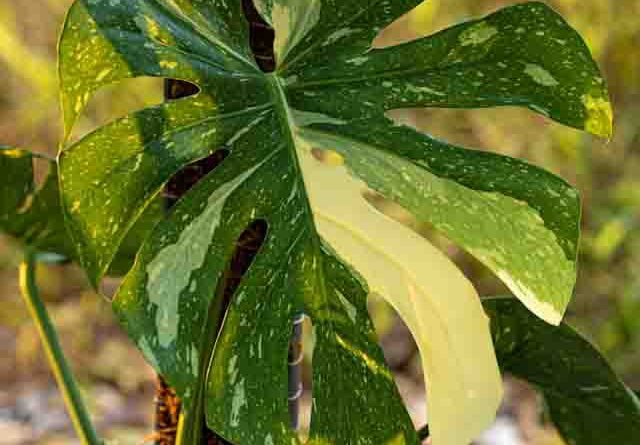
<point x="305" y="143"/>
<point x="587" y="402"/>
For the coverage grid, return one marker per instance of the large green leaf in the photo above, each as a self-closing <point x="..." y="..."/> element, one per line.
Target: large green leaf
<point x="587" y="402"/>
<point x="304" y="144"/>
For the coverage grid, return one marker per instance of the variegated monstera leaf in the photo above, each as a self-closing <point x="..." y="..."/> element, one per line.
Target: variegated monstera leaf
<point x="305" y="144"/>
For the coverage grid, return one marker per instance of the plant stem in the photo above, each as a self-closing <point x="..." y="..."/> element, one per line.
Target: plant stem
<point x="61" y="370"/>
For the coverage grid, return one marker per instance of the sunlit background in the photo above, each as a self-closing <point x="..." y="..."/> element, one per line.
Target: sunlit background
<point x="118" y="384"/>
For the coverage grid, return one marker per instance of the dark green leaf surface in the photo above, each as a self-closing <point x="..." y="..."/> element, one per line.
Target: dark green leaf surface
<point x="304" y="144"/>
<point x="29" y="214"/>
<point x="587" y="402"/>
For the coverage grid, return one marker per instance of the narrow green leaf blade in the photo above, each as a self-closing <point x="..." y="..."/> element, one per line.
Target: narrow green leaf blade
<point x="524" y="55"/>
<point x="588" y="403"/>
<point x="312" y="30"/>
<point x="346" y="347"/>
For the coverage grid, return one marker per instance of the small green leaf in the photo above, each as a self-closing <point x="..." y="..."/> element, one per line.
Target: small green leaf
<point x="588" y="403"/>
<point x="34" y="216"/>
<point x="31" y="215"/>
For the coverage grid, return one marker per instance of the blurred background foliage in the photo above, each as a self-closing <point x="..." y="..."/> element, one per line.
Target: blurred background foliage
<point x="607" y="302"/>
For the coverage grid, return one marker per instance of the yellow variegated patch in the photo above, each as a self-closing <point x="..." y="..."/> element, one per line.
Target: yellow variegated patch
<point x="436" y="301"/>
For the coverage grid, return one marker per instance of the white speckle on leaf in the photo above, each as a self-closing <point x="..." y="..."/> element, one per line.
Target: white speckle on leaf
<point x="477" y="34"/>
<point x="540" y="75"/>
<point x="195" y="359"/>
<point x="337" y="35"/>
<point x="424" y="90"/>
<point x="237" y="402"/>
<point x="168" y="64"/>
<point x="232" y="369"/>
<point x="351" y="310"/>
<point x="357" y="61"/>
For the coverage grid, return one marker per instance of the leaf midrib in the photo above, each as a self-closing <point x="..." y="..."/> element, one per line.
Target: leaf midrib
<point x="390" y="74"/>
<point x="283" y="112"/>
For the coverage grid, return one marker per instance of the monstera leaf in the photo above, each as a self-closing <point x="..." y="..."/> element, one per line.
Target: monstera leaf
<point x="305" y="145"/>
<point x="586" y="400"/>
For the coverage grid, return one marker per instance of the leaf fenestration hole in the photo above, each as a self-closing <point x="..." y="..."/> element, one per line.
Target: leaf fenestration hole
<point x="179" y="89"/>
<point x="181" y="182"/>
<point x="247" y="247"/>
<point x="510" y="130"/>
<point x="401" y="355"/>
<point x="118" y="100"/>
<point x="42" y="168"/>
<point x="295" y="368"/>
<point x="304" y="406"/>
<point x="261" y="38"/>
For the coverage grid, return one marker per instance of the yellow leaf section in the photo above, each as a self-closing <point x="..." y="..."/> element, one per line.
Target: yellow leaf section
<point x="422" y="16"/>
<point x="14" y="153"/>
<point x="599" y="119"/>
<point x="436" y="301"/>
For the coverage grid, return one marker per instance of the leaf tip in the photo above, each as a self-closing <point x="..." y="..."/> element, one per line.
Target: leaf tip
<point x="544" y="310"/>
<point x="598" y="116"/>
